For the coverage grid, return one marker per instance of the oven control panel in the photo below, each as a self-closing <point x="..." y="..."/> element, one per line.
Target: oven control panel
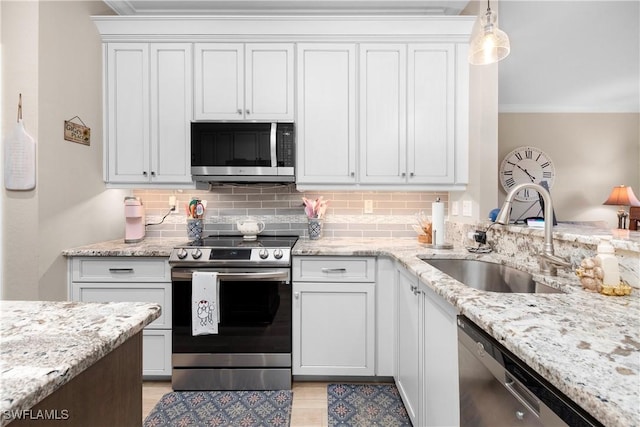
<point x="233" y="256"/>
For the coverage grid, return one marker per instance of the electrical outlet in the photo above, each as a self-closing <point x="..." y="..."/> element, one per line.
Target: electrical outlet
<point x="467" y="208"/>
<point x="455" y="208"/>
<point x="368" y="206"/>
<point x="173" y="203"/>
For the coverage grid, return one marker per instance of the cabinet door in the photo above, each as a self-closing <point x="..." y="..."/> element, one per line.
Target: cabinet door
<point x="431" y="113"/>
<point x="409" y="331"/>
<point x="326" y="113"/>
<point x="333" y="328"/>
<point x="127" y="112"/>
<point x="383" y="88"/>
<point x="159" y="293"/>
<point x="441" y="398"/>
<point x="219" y="81"/>
<point x="269" y="82"/>
<point x="171" y="113"/>
<point x="156" y="354"/>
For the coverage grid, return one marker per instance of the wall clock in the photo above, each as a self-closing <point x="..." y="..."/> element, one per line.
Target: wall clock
<point x="526" y="164"/>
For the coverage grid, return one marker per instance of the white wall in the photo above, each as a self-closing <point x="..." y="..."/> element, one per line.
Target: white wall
<point x="571" y="86"/>
<point x="52" y="54"/>
<point x="20" y="218"/>
<point x="571" y="56"/>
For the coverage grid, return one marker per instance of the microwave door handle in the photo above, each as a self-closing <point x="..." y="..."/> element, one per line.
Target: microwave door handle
<point x="274" y="153"/>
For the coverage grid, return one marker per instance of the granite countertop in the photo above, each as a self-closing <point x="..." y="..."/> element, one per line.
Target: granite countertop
<point x="149" y="247"/>
<point x="586" y="344"/>
<point x="45" y="344"/>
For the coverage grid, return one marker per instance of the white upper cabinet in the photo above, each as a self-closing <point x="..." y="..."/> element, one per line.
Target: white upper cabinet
<point x="326" y="125"/>
<point x="237" y="81"/>
<point x="431" y="114"/>
<point x="381" y="102"/>
<point x="148" y="113"/>
<point x="171" y="112"/>
<point x="383" y="113"/>
<point x="412" y="125"/>
<point x="127" y="118"/>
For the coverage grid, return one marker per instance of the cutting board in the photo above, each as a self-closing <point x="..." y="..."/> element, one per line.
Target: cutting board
<point x="20" y="160"/>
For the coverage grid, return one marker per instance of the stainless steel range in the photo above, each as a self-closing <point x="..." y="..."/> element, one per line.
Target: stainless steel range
<point x="252" y="348"/>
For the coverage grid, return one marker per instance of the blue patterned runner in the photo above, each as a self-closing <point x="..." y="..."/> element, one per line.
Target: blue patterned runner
<point x="222" y="408"/>
<point x="366" y="405"/>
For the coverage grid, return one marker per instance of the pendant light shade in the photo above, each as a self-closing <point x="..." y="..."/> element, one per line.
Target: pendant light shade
<point x="490" y="44"/>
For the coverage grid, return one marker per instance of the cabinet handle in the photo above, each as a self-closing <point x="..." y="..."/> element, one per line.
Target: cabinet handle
<point x="153" y="173"/>
<point x="247" y="111"/>
<point x="353" y="174"/>
<point x="296" y="295"/>
<point x="403" y="174"/>
<point x="239" y="111"/>
<point x="334" y="270"/>
<point x="411" y="174"/>
<point x="144" y="173"/>
<point x="120" y="270"/>
<point x="415" y="290"/>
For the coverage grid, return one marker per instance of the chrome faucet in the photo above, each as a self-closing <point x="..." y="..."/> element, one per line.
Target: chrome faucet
<point x="548" y="261"/>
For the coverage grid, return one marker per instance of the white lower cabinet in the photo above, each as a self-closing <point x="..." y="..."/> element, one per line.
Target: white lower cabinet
<point x="120" y="279"/>
<point x="333" y="329"/>
<point x="440" y="365"/>
<point x="409" y="355"/>
<point x="427" y="353"/>
<point x="156" y="353"/>
<point x="334" y="316"/>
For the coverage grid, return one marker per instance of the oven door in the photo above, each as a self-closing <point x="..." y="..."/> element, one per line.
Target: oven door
<point x="255" y="312"/>
<point x="254" y="333"/>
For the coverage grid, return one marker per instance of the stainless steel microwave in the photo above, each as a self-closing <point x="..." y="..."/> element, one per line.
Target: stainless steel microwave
<point x="242" y="152"/>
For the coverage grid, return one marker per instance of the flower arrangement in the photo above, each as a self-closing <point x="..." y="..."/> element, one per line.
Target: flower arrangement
<point x="315" y="208"/>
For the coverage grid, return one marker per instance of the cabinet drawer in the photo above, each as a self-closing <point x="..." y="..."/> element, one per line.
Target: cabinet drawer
<point x="156" y="353"/>
<point x="334" y="269"/>
<point x="159" y="293"/>
<point x="120" y="269"/>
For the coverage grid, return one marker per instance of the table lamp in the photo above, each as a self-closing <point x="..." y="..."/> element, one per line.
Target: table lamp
<point x="622" y="196"/>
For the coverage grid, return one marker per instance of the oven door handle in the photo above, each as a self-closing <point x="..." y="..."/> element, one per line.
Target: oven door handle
<point x="265" y="275"/>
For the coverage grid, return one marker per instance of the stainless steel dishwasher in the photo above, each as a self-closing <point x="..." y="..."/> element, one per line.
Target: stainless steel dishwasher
<point x="498" y="389"/>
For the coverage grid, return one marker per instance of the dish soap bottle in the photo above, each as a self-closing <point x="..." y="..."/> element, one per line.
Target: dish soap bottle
<point x="609" y="263"/>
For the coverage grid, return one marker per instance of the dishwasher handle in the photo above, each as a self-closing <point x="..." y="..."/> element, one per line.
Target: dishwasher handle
<point x="522" y="394"/>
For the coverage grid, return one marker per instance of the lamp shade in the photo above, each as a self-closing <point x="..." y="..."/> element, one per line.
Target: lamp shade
<point x="622" y="196"/>
<point x="490" y="44"/>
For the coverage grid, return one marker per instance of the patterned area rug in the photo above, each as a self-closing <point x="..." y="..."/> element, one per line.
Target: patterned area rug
<point x="366" y="405"/>
<point x="222" y="408"/>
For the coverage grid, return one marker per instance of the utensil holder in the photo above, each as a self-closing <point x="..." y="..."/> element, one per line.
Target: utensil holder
<point x="315" y="228"/>
<point x="194" y="228"/>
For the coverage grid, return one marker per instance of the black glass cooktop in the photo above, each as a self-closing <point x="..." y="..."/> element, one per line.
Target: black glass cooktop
<point x="239" y="242"/>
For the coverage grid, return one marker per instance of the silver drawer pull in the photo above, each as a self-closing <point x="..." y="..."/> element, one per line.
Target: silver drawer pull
<point x="120" y="270"/>
<point x="334" y="270"/>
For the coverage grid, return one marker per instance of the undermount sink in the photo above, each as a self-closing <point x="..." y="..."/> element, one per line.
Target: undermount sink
<point x="491" y="277"/>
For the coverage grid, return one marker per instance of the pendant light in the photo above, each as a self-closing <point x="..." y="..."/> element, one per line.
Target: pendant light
<point x="490" y="44"/>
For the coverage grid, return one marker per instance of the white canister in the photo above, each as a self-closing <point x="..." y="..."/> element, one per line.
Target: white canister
<point x="609" y="262"/>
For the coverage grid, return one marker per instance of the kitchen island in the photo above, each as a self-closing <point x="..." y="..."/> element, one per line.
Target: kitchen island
<point x="77" y="363"/>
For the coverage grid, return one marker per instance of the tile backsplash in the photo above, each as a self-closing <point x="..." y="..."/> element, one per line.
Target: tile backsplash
<point x="280" y="207"/>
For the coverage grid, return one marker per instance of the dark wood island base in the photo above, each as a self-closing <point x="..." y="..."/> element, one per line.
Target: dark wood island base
<point x="109" y="393"/>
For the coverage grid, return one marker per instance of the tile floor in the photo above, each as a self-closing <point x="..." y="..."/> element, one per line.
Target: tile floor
<point x="309" y="401"/>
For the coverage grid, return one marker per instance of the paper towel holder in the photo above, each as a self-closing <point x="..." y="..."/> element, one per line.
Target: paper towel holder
<point x="433" y="245"/>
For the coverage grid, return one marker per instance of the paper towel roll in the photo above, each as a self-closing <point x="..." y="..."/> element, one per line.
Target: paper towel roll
<point x="437" y="216"/>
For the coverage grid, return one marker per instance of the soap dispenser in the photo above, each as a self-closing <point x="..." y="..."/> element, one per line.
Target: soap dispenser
<point x="609" y="263"/>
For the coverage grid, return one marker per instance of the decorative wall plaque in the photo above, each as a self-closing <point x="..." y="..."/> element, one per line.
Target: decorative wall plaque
<point x="75" y="132"/>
